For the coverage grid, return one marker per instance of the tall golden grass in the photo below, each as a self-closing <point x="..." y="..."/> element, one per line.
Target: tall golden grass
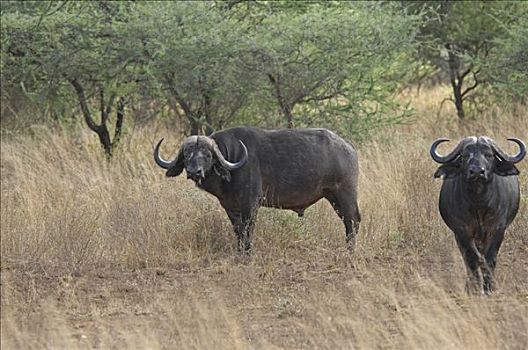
<point x="114" y="255"/>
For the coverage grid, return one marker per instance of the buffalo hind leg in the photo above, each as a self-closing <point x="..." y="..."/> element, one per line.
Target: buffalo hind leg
<point x="243" y="224"/>
<point x="347" y="209"/>
<point x="491" y="261"/>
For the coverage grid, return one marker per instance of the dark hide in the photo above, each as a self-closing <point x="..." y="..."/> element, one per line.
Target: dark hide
<point x="478" y="201"/>
<point x="287" y="169"/>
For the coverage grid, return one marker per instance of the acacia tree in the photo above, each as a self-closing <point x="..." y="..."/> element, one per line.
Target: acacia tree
<point x="508" y="67"/>
<point x="73" y="48"/>
<point x="188" y="49"/>
<point x="462" y="38"/>
<point x="326" y="59"/>
<point x="230" y="63"/>
<point x="24" y="82"/>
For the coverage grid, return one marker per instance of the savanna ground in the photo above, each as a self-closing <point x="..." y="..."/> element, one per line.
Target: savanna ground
<point x="115" y="255"/>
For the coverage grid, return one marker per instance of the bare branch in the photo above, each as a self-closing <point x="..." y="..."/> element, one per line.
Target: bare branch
<point x="472" y="87"/>
<point x="183" y="104"/>
<point x="108" y="109"/>
<point x="101" y="104"/>
<point x="286" y="108"/>
<point x="321" y="98"/>
<point x="464" y="73"/>
<point x="442" y="105"/>
<point x="304" y="92"/>
<point x="84" y="105"/>
<point x="121" y="103"/>
<point x="49" y="13"/>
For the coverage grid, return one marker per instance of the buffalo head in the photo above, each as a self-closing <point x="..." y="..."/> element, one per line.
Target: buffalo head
<point x="199" y="155"/>
<point x="476" y="159"/>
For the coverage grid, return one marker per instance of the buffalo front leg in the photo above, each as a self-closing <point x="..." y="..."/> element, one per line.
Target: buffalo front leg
<point x="473" y="260"/>
<point x="491" y="261"/>
<point x="243" y="224"/>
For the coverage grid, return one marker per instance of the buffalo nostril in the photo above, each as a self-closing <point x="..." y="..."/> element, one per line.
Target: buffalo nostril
<point x="198" y="173"/>
<point x="477" y="171"/>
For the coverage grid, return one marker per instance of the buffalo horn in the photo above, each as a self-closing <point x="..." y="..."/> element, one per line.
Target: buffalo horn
<point x="512" y="159"/>
<point x="228" y="165"/>
<point x="447" y="158"/>
<point x="162" y="162"/>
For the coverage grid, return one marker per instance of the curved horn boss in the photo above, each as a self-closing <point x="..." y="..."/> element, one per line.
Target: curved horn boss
<point x="450" y="156"/>
<point x="165" y="164"/>
<point x="228" y="165"/>
<point x="512" y="159"/>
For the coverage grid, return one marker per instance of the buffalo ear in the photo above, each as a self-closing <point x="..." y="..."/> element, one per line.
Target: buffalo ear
<point x="175" y="170"/>
<point x="504" y="168"/>
<point x="222" y="172"/>
<point x="448" y="170"/>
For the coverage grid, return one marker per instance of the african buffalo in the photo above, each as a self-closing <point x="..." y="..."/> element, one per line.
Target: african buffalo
<point x="247" y="167"/>
<point x="478" y="201"/>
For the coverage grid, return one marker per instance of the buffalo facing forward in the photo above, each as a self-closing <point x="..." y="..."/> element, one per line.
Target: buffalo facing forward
<point x="247" y="167"/>
<point x="478" y="201"/>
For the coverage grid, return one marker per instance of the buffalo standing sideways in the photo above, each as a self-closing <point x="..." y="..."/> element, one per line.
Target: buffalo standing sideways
<point x="247" y="167"/>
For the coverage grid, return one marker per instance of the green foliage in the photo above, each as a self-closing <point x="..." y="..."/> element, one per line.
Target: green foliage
<point x="215" y="64"/>
<point x="508" y="67"/>
<point x="188" y="48"/>
<point x="45" y="44"/>
<point x="74" y="53"/>
<point x="471" y="41"/>
<point x="320" y="62"/>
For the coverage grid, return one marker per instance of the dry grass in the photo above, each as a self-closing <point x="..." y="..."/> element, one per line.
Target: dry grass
<point x="98" y="255"/>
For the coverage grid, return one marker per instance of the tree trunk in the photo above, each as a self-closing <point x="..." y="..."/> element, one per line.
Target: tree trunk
<point x="106" y="107"/>
<point x="189" y="113"/>
<point x="205" y="108"/>
<point x="459" y="101"/>
<point x="104" y="138"/>
<point x="195" y="126"/>
<point x="285" y="107"/>
<point x="286" y="110"/>
<point x="207" y="114"/>
<point x="457" y="80"/>
<point x="120" y="116"/>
